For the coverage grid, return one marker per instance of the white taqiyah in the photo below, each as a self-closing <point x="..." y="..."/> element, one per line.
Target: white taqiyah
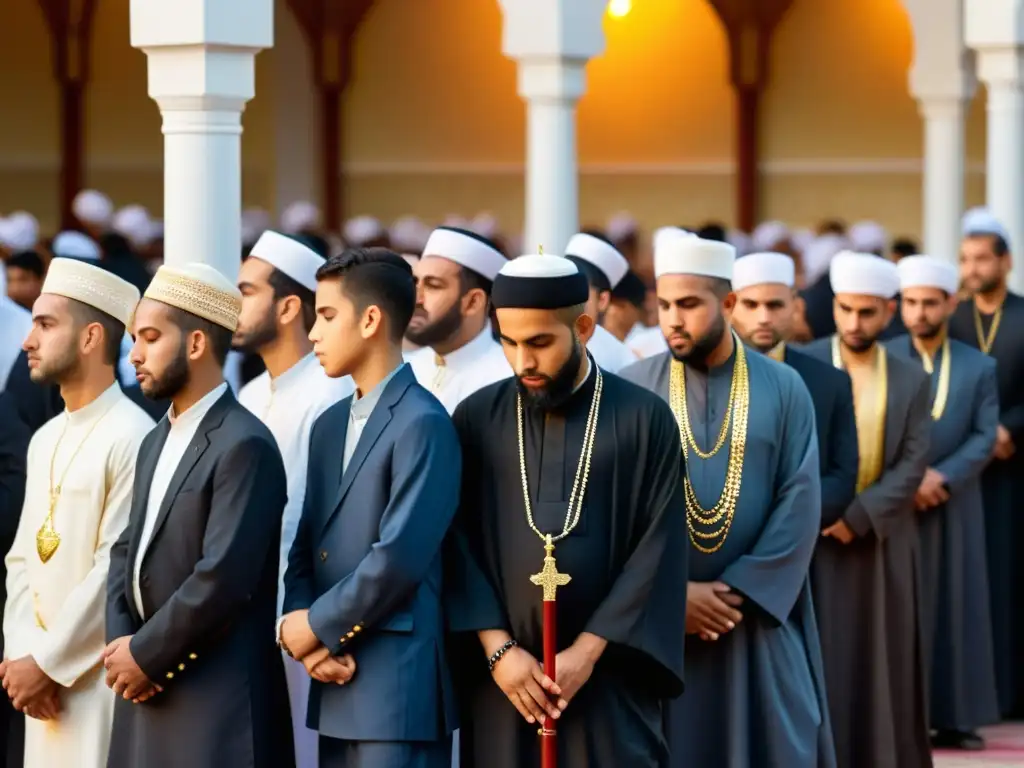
<point x="300" y="216"/>
<point x="981" y="221"/>
<point x="928" y="272"/>
<point x="763" y="268"/>
<point x="539" y="265"/>
<point x="868" y="237"/>
<point x="20" y="232"/>
<point x="466" y="251"/>
<point x="408" y="235"/>
<point x="200" y="290"/>
<point x="769" y="235"/>
<point x="864" y="274"/>
<point x="603" y="255"/>
<point x="362" y="229"/>
<point x="620" y="226"/>
<point x="92" y="285"/>
<point x="75" y="245"/>
<point x="133" y="224"/>
<point x="92" y="207"/>
<point x="694" y="256"/>
<point x="287" y="255"/>
<point x="664" y="235"/>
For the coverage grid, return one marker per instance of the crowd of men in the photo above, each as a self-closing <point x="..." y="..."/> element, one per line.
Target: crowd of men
<point x="776" y="524"/>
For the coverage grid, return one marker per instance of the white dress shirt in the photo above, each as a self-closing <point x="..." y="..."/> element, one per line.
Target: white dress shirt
<point x="359" y="414"/>
<point x="454" y="377"/>
<point x="609" y="353"/>
<point x="183" y="429"/>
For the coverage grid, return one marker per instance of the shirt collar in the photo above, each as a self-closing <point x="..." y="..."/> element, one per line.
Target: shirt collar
<point x="293" y="375"/>
<point x="96" y="408"/>
<point x="363" y="406"/>
<point x="590" y="368"/>
<point x="469" y="353"/>
<point x="199" y="409"/>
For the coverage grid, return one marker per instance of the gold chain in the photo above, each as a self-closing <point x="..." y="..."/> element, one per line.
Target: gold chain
<point x="579" y="486"/>
<point x="722" y="514"/>
<point x="942" y="389"/>
<point x="985" y="342"/>
<point x="47" y="537"/>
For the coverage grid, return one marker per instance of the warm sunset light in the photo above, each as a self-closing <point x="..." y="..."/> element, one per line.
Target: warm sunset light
<point x="619" y="8"/>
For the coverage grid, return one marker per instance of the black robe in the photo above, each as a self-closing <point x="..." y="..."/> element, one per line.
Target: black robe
<point x="627" y="559"/>
<point x="1002" y="486"/>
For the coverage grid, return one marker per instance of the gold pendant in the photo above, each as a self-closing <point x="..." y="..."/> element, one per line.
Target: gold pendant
<point x="549" y="579"/>
<point x="47" y="540"/>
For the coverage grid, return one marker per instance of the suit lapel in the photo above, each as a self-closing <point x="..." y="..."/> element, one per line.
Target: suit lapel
<point x="895" y="409"/>
<point x="140" y="502"/>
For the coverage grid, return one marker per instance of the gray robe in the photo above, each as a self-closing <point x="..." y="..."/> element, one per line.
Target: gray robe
<point x="867" y="594"/>
<point x="756" y="696"/>
<point x="956" y="621"/>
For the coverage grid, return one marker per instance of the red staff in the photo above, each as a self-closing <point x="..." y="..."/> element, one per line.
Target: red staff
<point x="549" y="579"/>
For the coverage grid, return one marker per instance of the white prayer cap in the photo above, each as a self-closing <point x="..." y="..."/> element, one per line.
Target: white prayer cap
<point x="92" y="207"/>
<point x="868" y="237"/>
<point x="739" y="240"/>
<point x="762" y="268"/>
<point x="459" y="222"/>
<point x="801" y="239"/>
<point x="768" y="234"/>
<point x="20" y="231"/>
<point x="75" y="245"/>
<point x="133" y="224"/>
<point x="156" y="230"/>
<point x="467" y="250"/>
<point x="486" y="225"/>
<point x="288" y="255"/>
<point x="864" y="274"/>
<point x="300" y="216"/>
<point x="601" y="254"/>
<point x="620" y="226"/>
<point x="928" y="272"/>
<point x="92" y="285"/>
<point x="665" y="235"/>
<point x="255" y="221"/>
<point x="409" y="235"/>
<point x="362" y="229"/>
<point x="819" y="254"/>
<point x="200" y="290"/>
<point x="694" y="256"/>
<point x="981" y="221"/>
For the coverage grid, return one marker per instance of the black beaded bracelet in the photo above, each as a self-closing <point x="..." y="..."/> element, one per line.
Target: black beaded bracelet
<point x="496" y="656"/>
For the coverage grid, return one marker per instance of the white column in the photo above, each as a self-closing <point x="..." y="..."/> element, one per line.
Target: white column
<point x="552" y="40"/>
<point x="201" y="74"/>
<point x="296" y="115"/>
<point x="943" y="175"/>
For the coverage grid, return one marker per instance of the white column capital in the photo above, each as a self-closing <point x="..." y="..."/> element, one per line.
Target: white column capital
<point x="557" y="81"/>
<point x="221" y="24"/>
<point x="553" y="29"/>
<point x="198" y="77"/>
<point x="942" y="106"/>
<point x="1001" y="65"/>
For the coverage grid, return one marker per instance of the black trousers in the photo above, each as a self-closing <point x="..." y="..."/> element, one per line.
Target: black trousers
<point x="339" y="753"/>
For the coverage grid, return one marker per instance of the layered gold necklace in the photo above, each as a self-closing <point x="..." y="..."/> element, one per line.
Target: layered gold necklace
<point x="720" y="516"/>
<point x="549" y="579"/>
<point x="870" y="416"/>
<point x="942" y="388"/>
<point x="985" y="341"/>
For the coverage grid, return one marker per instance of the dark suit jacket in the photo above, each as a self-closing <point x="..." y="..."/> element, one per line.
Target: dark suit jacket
<point x="209" y="588"/>
<point x="366" y="562"/>
<point x="14" y="437"/>
<point x="832" y="395"/>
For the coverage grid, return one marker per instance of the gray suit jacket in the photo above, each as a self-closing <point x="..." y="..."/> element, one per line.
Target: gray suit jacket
<point x="366" y="562"/>
<point x="881" y="507"/>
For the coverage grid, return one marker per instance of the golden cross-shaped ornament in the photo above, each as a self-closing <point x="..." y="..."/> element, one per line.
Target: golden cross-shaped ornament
<point x="549" y="579"/>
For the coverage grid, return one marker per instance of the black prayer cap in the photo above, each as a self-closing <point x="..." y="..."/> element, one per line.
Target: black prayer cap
<point x="539" y="281"/>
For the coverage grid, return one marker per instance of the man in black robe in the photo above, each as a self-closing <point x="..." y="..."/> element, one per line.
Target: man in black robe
<point x="597" y="468"/>
<point x="993" y="321"/>
<point x="956" y="622"/>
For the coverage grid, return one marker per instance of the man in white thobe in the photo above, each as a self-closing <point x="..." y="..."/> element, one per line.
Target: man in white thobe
<point x="81" y="469"/>
<point x="278" y="284"/>
<point x="452" y="318"/>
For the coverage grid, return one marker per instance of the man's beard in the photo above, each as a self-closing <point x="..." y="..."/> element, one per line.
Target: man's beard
<point x="174" y="379"/>
<point x="59" y="369"/>
<point x="989" y="285"/>
<point x="929" y="331"/>
<point x="704" y="346"/>
<point x="764" y="349"/>
<point x="558" y="388"/>
<point x="863" y="344"/>
<point x="252" y="340"/>
<point x="439" y="330"/>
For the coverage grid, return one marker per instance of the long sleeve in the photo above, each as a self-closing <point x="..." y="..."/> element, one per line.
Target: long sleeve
<point x="425" y="473"/>
<point x="244" y="524"/>
<point x="21" y="631"/>
<point x="839" y="481"/>
<point x="877" y="507"/>
<point x="645" y="610"/>
<point x="974" y="453"/>
<point x="119" y="621"/>
<point x="72" y="644"/>
<point x="774" y="572"/>
<point x="14" y="438"/>
<point x="299" y="591"/>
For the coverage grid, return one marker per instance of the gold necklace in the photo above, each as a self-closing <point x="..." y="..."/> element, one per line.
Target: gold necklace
<point x="942" y="389"/>
<point x="778" y="352"/>
<point x="549" y="579"/>
<point x="870" y="428"/>
<point x="685" y="433"/>
<point x="985" y="342"/>
<point x="698" y="518"/>
<point x="47" y="537"/>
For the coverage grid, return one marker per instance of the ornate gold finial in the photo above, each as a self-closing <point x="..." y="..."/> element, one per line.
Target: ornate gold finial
<point x="549" y="579"/>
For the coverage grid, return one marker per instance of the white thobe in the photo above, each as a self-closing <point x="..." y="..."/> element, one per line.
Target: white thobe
<point x="455" y="376"/>
<point x="646" y="341"/>
<point x="55" y="610"/>
<point x="15" y="323"/>
<point x="288" y="405"/>
<point x="609" y="353"/>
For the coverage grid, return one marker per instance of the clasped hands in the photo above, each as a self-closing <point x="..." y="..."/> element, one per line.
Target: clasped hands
<point x="299" y="641"/>
<point x="30" y="690"/>
<point x="932" y="491"/>
<point x="124" y="676"/>
<point x="712" y="609"/>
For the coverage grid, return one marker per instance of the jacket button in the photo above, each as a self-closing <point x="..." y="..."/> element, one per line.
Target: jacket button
<point x="193" y="656"/>
<point x="323" y="555"/>
<point x="170" y="675"/>
<point x="181" y="667"/>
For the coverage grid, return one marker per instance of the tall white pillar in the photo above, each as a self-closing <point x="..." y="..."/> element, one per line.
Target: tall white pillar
<point x="995" y="30"/>
<point x="552" y="40"/>
<point x="201" y="74"/>
<point x="296" y="115"/>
